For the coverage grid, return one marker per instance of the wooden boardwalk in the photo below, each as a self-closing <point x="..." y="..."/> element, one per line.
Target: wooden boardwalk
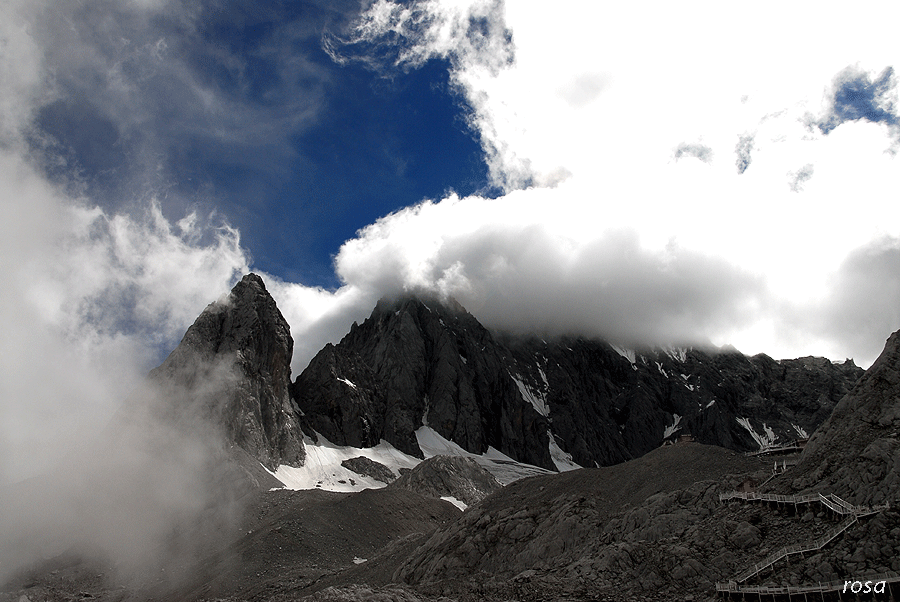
<point x="830" y="501"/>
<point x="797" y="590"/>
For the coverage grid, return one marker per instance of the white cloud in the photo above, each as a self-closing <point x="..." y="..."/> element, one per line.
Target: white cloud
<point x="613" y="234"/>
<point x="88" y="301"/>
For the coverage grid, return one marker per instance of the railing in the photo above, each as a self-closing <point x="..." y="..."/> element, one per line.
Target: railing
<point x="797" y="549"/>
<point x="828" y="586"/>
<point x="832" y="502"/>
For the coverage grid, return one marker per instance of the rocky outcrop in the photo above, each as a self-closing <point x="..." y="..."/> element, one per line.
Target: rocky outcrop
<point x="232" y="369"/>
<point x="367" y="467"/>
<point x="856" y="452"/>
<point x="420" y="361"/>
<point x="633" y="529"/>
<point x="453" y="476"/>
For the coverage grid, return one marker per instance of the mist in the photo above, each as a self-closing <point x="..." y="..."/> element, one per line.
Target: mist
<point x="146" y="498"/>
<point x="90" y="303"/>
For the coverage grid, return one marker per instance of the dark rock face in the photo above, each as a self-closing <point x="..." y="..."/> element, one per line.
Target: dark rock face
<point x="418" y="361"/>
<point x="413" y="363"/>
<point x="607" y="408"/>
<point x="856" y="451"/>
<point x="346" y="407"/>
<point x="233" y="367"/>
<point x="367" y="467"/>
<point x="440" y="476"/>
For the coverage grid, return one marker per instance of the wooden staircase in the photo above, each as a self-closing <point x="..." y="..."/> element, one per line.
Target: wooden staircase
<point x="830" y="501"/>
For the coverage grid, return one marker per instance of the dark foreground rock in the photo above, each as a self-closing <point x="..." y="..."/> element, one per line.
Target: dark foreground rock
<point x="370" y="468"/>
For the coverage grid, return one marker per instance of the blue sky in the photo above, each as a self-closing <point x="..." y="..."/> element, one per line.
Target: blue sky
<point x="293" y="149"/>
<point x="649" y="173"/>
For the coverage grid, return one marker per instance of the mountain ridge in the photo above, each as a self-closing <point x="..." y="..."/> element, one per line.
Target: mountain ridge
<point x="420" y="361"/>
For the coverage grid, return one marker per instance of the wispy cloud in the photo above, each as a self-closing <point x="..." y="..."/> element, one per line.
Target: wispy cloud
<point x="797" y="178"/>
<point x="146" y="97"/>
<point x="695" y="149"/>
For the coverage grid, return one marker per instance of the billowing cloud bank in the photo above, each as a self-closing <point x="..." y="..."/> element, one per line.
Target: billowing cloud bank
<point x="782" y="237"/>
<point x="664" y="177"/>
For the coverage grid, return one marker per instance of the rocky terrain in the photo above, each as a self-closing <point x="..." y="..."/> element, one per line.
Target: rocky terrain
<point x="856" y="451"/>
<point x="644" y="522"/>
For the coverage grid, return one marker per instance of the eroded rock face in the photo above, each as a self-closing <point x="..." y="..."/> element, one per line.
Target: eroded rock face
<point x="233" y="367"/>
<point x="340" y="398"/>
<point x="609" y="405"/>
<point x="856" y="451"/>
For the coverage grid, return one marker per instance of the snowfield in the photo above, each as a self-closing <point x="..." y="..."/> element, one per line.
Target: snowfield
<point x="323" y="470"/>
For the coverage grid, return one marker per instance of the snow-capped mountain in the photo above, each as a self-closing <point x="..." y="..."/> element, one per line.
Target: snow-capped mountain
<point x="417" y="361"/>
<point x="424" y="369"/>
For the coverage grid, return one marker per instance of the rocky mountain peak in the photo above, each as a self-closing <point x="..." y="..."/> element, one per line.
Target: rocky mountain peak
<point x="419" y="361"/>
<point x="233" y="366"/>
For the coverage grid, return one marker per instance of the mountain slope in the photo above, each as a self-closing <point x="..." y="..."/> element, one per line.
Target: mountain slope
<point x="407" y="366"/>
<point x="856" y="452"/>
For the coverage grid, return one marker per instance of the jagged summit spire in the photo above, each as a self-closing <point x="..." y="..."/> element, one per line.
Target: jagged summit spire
<point x="234" y="363"/>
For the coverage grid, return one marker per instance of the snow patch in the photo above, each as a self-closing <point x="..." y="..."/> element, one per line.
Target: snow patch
<point x="710" y="404"/>
<point x="536" y="398"/>
<point x="465" y="361"/>
<point x="561" y="459"/>
<point x="688" y="385"/>
<point x="458" y="503"/>
<point x="628" y="354"/>
<point x="800" y="431"/>
<point x="661" y="370"/>
<point x="670" y="430"/>
<point x="322" y="468"/>
<point x="504" y="468"/>
<point x="344" y="380"/>
<point x="679" y="354"/>
<point x="765" y="439"/>
<point x="358" y="560"/>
